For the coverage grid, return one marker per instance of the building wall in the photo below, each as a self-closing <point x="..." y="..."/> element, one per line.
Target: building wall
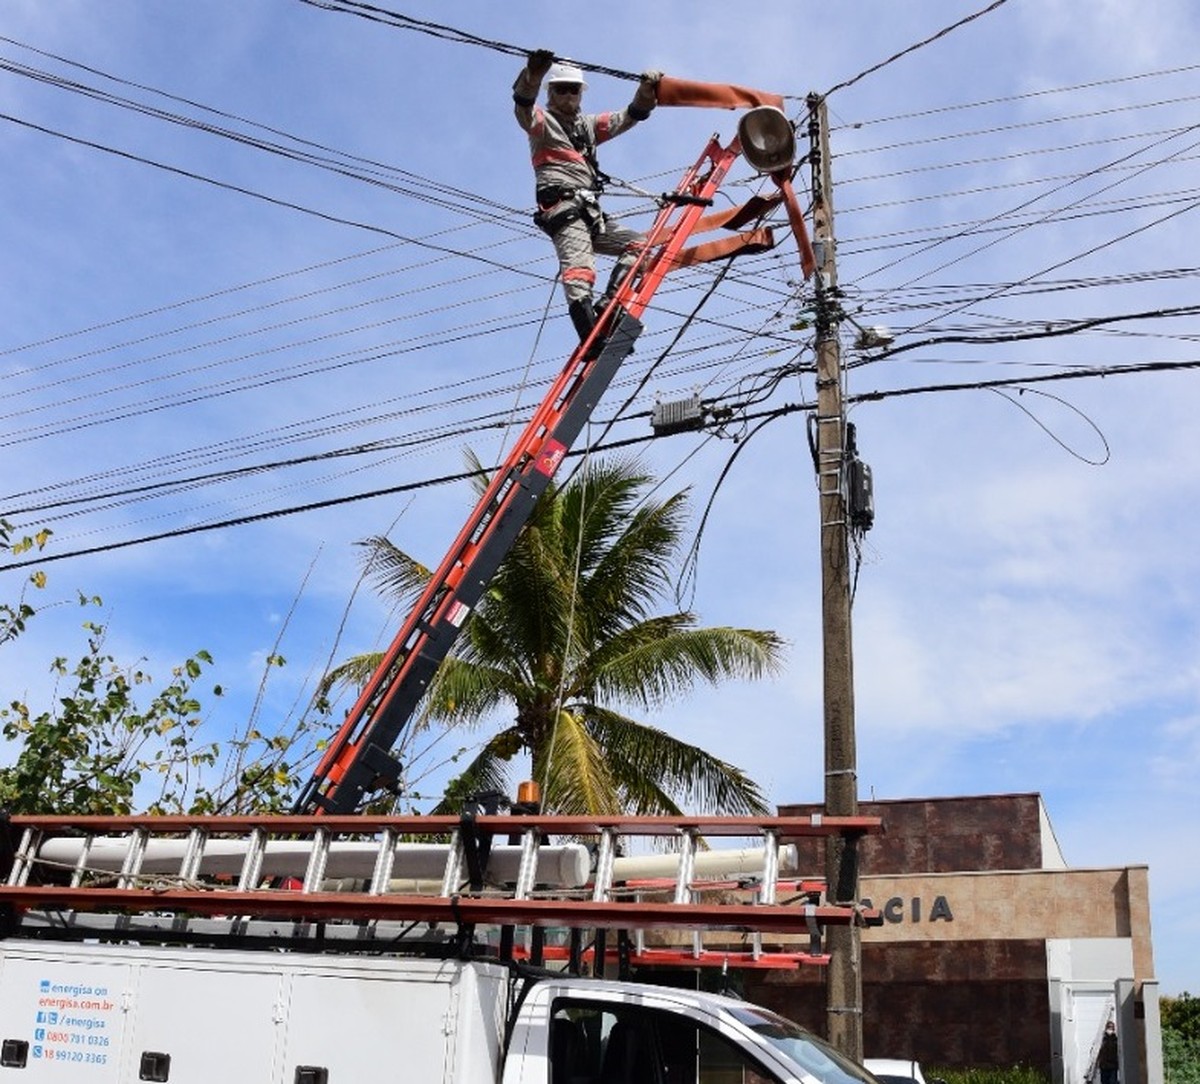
<point x="1013" y="904"/>
<point x="972" y="891"/>
<point x="966" y="1004"/>
<point x="941" y="835"/>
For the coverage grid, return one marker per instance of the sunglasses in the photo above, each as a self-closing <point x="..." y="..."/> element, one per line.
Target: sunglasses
<point x="566" y="88"/>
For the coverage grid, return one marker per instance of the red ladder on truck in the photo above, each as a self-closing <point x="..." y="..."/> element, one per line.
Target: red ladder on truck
<point x="359" y="760"/>
<point x="370" y="880"/>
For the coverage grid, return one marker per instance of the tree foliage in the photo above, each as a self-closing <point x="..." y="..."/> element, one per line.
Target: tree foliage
<point x="111" y="740"/>
<point x="1181" y="1038"/>
<point x="568" y="643"/>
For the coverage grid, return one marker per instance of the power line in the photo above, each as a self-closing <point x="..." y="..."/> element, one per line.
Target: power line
<point x="778" y="412"/>
<point x="399" y="21"/>
<point x="742" y="284"/>
<point x="913" y="48"/>
<point x="1029" y="95"/>
<point x="295" y="147"/>
<point x="243" y="191"/>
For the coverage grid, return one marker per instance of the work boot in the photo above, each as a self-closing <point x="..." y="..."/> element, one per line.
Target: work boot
<point x="583" y="316"/>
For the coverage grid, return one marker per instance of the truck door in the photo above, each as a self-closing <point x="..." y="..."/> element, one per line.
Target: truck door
<point x="63" y="1019"/>
<point x="193" y="1025"/>
<point x="598" y="1043"/>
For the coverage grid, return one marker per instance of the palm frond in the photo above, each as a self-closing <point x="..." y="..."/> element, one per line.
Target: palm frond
<point x="664" y="658"/>
<point x="395" y="574"/>
<point x="576" y="778"/>
<point x="703" y="781"/>
<point x="351" y="674"/>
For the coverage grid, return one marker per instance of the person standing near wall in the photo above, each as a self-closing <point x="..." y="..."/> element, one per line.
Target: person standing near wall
<point x="1108" y="1061"/>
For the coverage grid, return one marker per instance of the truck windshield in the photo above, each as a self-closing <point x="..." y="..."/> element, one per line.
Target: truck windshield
<point x="814" y="1057"/>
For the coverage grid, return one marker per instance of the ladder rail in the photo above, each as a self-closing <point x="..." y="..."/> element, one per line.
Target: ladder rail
<point x="369" y="824"/>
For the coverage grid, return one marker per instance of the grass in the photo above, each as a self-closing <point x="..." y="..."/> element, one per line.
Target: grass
<point x="1020" y="1074"/>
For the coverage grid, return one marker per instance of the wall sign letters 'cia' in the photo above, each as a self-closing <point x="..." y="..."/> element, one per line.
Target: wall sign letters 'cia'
<point x="893" y="910"/>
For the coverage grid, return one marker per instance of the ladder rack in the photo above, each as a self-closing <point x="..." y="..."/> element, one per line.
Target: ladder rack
<point x="357" y="876"/>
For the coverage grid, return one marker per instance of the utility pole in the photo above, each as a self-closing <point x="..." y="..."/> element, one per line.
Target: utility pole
<point x="843" y="989"/>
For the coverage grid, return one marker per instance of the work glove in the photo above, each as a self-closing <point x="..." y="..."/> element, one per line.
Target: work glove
<point x="646" y="97"/>
<point x="539" y="63"/>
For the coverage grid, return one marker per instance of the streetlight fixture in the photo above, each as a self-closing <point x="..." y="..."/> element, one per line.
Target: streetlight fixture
<point x="767" y="138"/>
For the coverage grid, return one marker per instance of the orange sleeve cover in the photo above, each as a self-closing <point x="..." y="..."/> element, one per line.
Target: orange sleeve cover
<point x="672" y="91"/>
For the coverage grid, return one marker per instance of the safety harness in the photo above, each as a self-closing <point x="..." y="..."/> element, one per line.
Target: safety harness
<point x="560" y="205"/>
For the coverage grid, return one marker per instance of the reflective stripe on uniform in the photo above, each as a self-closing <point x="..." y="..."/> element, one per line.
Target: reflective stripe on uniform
<point x="544" y="156"/>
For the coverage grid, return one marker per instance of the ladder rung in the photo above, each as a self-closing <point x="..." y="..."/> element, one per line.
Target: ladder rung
<point x="252" y="865"/>
<point x="452" y="878"/>
<point x="31" y="840"/>
<point x="131" y="868"/>
<point x="384" y="862"/>
<point x="527" y="873"/>
<point x="189" y="866"/>
<point x="602" y="884"/>
<point x="687" y="854"/>
<point x="81" y="863"/>
<point x="318" y="857"/>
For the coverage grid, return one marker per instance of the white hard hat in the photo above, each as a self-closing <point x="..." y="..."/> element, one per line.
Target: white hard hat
<point x="565" y="73"/>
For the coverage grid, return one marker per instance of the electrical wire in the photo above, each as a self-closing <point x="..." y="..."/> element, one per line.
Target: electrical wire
<point x="761" y="374"/>
<point x="400" y="21"/>
<point x="914" y="47"/>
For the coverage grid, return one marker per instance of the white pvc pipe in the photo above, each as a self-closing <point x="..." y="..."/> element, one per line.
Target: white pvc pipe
<point x="746" y="862"/>
<point x="565" y="866"/>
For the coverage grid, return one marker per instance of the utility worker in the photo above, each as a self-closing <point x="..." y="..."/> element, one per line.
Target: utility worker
<point x="563" y="142"/>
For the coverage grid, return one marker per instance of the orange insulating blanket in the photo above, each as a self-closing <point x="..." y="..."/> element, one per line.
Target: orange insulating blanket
<point x="740" y="244"/>
<point x="808" y="259"/>
<point x="672" y="91"/>
<point x="736" y="217"/>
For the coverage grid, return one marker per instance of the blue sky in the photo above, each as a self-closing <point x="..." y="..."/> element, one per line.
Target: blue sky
<point x="176" y="303"/>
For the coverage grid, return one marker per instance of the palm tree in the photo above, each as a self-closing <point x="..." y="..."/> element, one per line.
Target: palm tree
<point x="566" y="634"/>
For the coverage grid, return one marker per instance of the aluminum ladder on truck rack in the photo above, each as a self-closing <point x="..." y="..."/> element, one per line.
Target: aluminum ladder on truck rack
<point x="370" y="881"/>
<point x="359" y="760"/>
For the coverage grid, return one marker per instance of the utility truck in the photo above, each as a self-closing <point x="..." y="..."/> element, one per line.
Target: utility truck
<point x="303" y="950"/>
<point x="331" y="945"/>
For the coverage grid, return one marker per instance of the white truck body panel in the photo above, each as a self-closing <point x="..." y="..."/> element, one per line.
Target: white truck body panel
<point x="90" y="1013"/>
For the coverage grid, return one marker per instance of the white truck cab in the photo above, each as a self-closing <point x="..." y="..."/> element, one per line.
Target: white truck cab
<point x="603" y="1032"/>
